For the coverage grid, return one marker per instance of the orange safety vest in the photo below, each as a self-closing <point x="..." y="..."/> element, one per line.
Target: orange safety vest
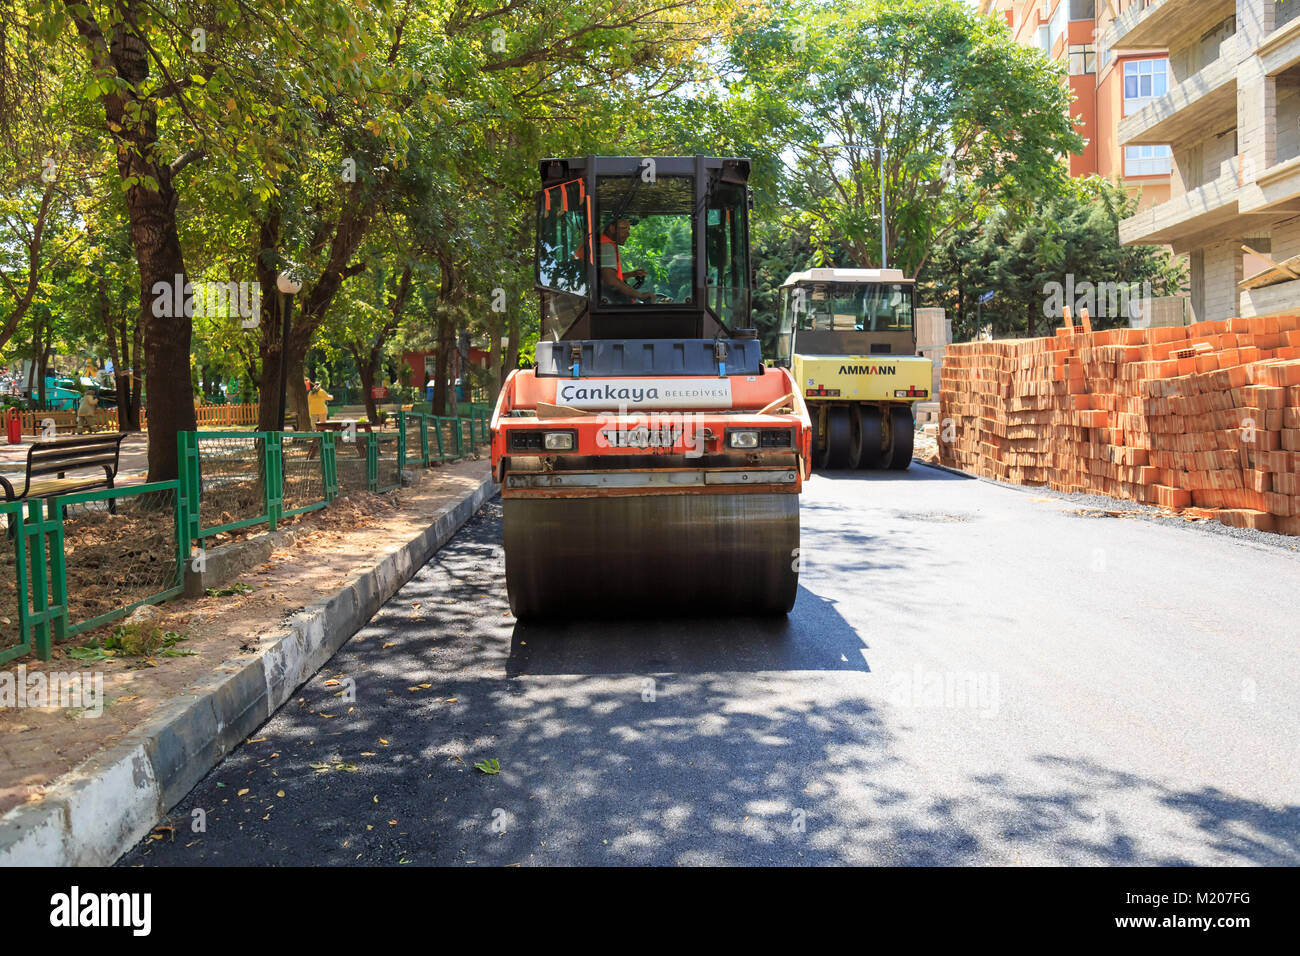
<point x="618" y="260"/>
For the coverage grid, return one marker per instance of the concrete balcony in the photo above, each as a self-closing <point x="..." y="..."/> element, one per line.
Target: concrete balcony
<point x="1204" y="101"/>
<point x="1276" y="190"/>
<point x="1281" y="49"/>
<point x="1167" y="24"/>
<point x="1201" y="209"/>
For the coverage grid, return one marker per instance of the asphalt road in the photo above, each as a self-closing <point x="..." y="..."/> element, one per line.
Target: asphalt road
<point x="972" y="675"/>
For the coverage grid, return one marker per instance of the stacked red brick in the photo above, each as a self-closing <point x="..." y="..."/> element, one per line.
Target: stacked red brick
<point x="1205" y="416"/>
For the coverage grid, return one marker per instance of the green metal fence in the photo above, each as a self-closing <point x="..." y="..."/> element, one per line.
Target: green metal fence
<point x="432" y="439"/>
<point x="79" y="561"/>
<point x="352" y="462"/>
<point x="386" y="460"/>
<point x="106" y="561"/>
<point x="15" y="628"/>
<point x="75" y="562"/>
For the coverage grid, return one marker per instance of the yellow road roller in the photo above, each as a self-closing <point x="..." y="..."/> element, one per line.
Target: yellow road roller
<point x="849" y="340"/>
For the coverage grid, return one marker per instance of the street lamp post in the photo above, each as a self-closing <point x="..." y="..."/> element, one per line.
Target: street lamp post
<point x="882" y="153"/>
<point x="288" y="287"/>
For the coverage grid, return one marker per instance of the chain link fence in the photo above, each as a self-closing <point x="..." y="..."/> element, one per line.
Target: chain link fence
<point x="351" y="464"/>
<point x="114" y="550"/>
<point x="304" y="459"/>
<point x="232" y="491"/>
<point x="388" y="461"/>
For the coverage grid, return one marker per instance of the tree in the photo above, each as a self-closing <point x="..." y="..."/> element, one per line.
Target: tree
<point x="946" y="92"/>
<point x="181" y="84"/>
<point x="1071" y="240"/>
<point x="44" y="164"/>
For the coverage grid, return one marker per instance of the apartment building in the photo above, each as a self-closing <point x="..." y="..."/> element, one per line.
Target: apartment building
<point x="1231" y="113"/>
<point x="1107" y="87"/>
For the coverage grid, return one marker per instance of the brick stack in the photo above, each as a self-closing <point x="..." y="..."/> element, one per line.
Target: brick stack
<point x="1205" y="416"/>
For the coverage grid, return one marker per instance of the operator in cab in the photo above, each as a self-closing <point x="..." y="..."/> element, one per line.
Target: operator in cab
<point x="612" y="277"/>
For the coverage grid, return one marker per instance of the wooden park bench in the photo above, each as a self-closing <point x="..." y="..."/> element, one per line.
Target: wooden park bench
<point x="340" y="426"/>
<point x="58" y="456"/>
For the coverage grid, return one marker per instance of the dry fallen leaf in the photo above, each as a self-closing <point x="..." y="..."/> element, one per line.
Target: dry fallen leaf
<point x="279" y="793"/>
<point x="242" y="792"/>
<point x="390" y="644"/>
<point x="383" y="741"/>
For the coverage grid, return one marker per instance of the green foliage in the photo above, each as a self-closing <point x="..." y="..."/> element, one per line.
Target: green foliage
<point x="365" y="142"/>
<point x="132" y="640"/>
<point x="946" y="92"/>
<point x="1074" y="234"/>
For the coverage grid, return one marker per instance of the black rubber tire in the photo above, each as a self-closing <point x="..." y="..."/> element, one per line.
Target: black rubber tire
<point x="822" y="452"/>
<point x="855" y="437"/>
<point x="871" y="428"/>
<point x="839" y="438"/>
<point x="902" y="437"/>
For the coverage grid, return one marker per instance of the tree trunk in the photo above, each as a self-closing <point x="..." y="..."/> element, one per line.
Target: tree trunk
<point x="151" y="200"/>
<point x="38" y="363"/>
<point x="297" y="397"/>
<point x="268" y="383"/>
<point x="354" y="221"/>
<point x="270" y="330"/>
<point x="116" y="354"/>
<point x="367" y="372"/>
<point x="136" y="372"/>
<point x="442" y="362"/>
<point x="47" y="348"/>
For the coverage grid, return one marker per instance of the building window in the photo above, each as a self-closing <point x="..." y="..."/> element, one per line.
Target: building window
<point x="1083" y="59"/>
<point x="1144" y="80"/>
<point x="1083" y="9"/>
<point x="1148" y="160"/>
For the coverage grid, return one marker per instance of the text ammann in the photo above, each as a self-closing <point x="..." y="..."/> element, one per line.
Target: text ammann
<point x="868" y="369"/>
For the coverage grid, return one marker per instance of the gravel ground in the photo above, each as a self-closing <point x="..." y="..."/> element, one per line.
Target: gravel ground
<point x="1103" y="503"/>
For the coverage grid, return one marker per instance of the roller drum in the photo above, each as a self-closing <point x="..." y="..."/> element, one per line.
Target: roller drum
<point x="651" y="555"/>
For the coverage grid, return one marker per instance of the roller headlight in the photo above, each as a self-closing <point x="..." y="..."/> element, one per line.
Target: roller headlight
<point x="743" y="439"/>
<point x="558" y="441"/>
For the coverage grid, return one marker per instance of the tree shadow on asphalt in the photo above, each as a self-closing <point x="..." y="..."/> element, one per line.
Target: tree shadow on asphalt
<point x="661" y="747"/>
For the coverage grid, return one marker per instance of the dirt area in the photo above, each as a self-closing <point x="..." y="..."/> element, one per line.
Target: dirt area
<point x="37" y="745"/>
<point x="926" y="447"/>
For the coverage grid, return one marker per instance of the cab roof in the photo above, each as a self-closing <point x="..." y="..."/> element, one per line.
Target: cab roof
<point x="847" y="275"/>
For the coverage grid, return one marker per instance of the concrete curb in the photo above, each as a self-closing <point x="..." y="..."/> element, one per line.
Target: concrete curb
<point x="938" y="467"/>
<point x="98" y="811"/>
